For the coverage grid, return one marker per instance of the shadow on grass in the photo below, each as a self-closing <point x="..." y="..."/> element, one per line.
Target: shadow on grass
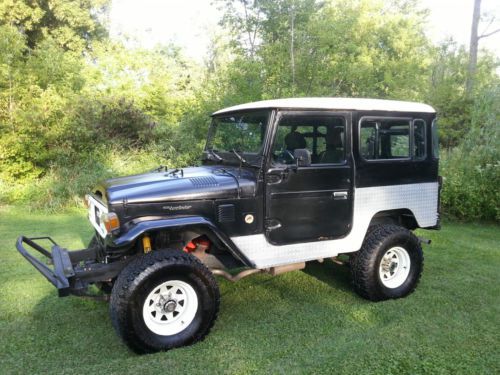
<point x="82" y="325"/>
<point x="67" y="228"/>
<point x="330" y="273"/>
<point x="74" y="325"/>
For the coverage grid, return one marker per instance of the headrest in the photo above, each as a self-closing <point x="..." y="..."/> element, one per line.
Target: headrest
<point x="295" y="140"/>
<point x="334" y="137"/>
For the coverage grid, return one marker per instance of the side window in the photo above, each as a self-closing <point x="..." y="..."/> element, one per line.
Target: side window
<point x="322" y="136"/>
<point x="419" y="140"/>
<point x="368" y="140"/>
<point x="381" y="139"/>
<point x="435" y="140"/>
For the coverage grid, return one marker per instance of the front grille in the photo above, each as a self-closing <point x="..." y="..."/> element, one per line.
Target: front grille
<point x="225" y="213"/>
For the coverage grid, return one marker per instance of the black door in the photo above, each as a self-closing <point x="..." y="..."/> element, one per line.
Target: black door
<point x="314" y="202"/>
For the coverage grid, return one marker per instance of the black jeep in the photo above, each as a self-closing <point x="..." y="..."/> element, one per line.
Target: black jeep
<point x="282" y="183"/>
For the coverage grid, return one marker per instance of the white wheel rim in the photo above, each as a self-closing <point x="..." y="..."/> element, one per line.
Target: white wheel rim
<point x="170" y="307"/>
<point x="394" y="267"/>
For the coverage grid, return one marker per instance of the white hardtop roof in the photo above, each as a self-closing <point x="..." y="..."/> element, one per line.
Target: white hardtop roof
<point x="334" y="104"/>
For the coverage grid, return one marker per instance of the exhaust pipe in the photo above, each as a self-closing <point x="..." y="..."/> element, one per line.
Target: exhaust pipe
<point x="274" y="271"/>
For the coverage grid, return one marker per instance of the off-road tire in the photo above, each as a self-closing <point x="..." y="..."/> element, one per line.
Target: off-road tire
<point x="140" y="277"/>
<point x="365" y="265"/>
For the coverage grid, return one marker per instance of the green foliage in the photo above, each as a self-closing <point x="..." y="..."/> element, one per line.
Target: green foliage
<point x="38" y="90"/>
<point x="109" y="120"/>
<point x="472" y="169"/>
<point x="65" y="184"/>
<point x="447" y="92"/>
<point x="72" y="24"/>
<point x="76" y="106"/>
<point x="335" y="48"/>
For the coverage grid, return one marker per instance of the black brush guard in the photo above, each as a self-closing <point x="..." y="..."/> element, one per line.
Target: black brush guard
<point x="72" y="271"/>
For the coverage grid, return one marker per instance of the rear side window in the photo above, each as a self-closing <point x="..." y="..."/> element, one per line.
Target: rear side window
<point x="419" y="149"/>
<point x="435" y="140"/>
<point x="383" y="139"/>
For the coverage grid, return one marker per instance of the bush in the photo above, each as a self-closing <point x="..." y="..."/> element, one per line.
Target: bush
<point x="64" y="185"/>
<point x="471" y="170"/>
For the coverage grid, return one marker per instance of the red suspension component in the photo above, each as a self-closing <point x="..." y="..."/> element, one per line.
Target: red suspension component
<point x="198" y="244"/>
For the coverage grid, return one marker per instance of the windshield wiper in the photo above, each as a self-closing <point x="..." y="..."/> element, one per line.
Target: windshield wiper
<point x="160" y="168"/>
<point x="214" y="154"/>
<point x="175" y="171"/>
<point x="240" y="158"/>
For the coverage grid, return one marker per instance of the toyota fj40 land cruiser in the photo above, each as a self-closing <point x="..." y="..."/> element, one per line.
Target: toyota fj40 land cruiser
<point x="282" y="182"/>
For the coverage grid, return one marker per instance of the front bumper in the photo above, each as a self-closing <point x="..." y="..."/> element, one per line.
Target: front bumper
<point x="72" y="271"/>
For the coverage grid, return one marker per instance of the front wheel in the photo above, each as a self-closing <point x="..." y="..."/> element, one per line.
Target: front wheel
<point x="162" y="300"/>
<point x="389" y="264"/>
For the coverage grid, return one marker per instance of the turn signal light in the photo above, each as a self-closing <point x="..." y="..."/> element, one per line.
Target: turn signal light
<point x="86" y="201"/>
<point x="110" y="221"/>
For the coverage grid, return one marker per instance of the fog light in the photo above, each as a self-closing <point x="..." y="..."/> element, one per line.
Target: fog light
<point x="110" y="221"/>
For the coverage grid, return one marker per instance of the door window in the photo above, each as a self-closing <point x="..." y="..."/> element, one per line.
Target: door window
<point x="322" y="136"/>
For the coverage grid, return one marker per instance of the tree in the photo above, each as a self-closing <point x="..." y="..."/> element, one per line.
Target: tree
<point x="72" y="24"/>
<point x="475" y="37"/>
<point x="307" y="47"/>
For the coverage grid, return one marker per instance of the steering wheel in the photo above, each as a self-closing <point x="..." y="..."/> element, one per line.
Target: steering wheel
<point x="284" y="157"/>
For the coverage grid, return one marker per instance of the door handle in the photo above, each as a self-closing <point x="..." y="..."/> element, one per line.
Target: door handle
<point x="278" y="176"/>
<point x="272" y="179"/>
<point x="338" y="195"/>
<point x="272" y="224"/>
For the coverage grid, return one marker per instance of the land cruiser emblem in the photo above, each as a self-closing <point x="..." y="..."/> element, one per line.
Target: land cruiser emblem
<point x="176" y="208"/>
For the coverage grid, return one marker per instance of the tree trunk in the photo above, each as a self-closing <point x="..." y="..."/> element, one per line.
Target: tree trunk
<point x="474" y="42"/>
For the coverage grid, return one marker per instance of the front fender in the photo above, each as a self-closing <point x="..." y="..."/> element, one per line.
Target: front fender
<point x="137" y="229"/>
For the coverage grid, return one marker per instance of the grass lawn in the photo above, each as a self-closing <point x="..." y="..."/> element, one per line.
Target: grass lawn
<point x="307" y="321"/>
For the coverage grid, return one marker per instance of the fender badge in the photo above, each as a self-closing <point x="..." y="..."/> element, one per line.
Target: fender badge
<point x="249" y="219"/>
<point x="176" y="208"/>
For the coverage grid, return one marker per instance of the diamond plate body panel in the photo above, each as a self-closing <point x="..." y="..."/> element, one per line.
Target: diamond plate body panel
<point x="421" y="199"/>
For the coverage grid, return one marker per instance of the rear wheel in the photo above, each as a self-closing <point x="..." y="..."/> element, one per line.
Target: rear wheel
<point x="389" y="264"/>
<point x="162" y="300"/>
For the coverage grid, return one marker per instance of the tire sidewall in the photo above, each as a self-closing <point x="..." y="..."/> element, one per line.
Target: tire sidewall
<point x="144" y="288"/>
<point x="408" y="242"/>
<point x="140" y="278"/>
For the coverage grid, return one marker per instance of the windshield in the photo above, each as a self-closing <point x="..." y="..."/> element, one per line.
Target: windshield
<point x="242" y="132"/>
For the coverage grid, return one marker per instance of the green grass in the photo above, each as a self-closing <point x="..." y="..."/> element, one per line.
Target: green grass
<point x="300" y="322"/>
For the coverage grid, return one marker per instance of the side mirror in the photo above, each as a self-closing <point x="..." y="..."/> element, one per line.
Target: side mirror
<point x="302" y="156"/>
